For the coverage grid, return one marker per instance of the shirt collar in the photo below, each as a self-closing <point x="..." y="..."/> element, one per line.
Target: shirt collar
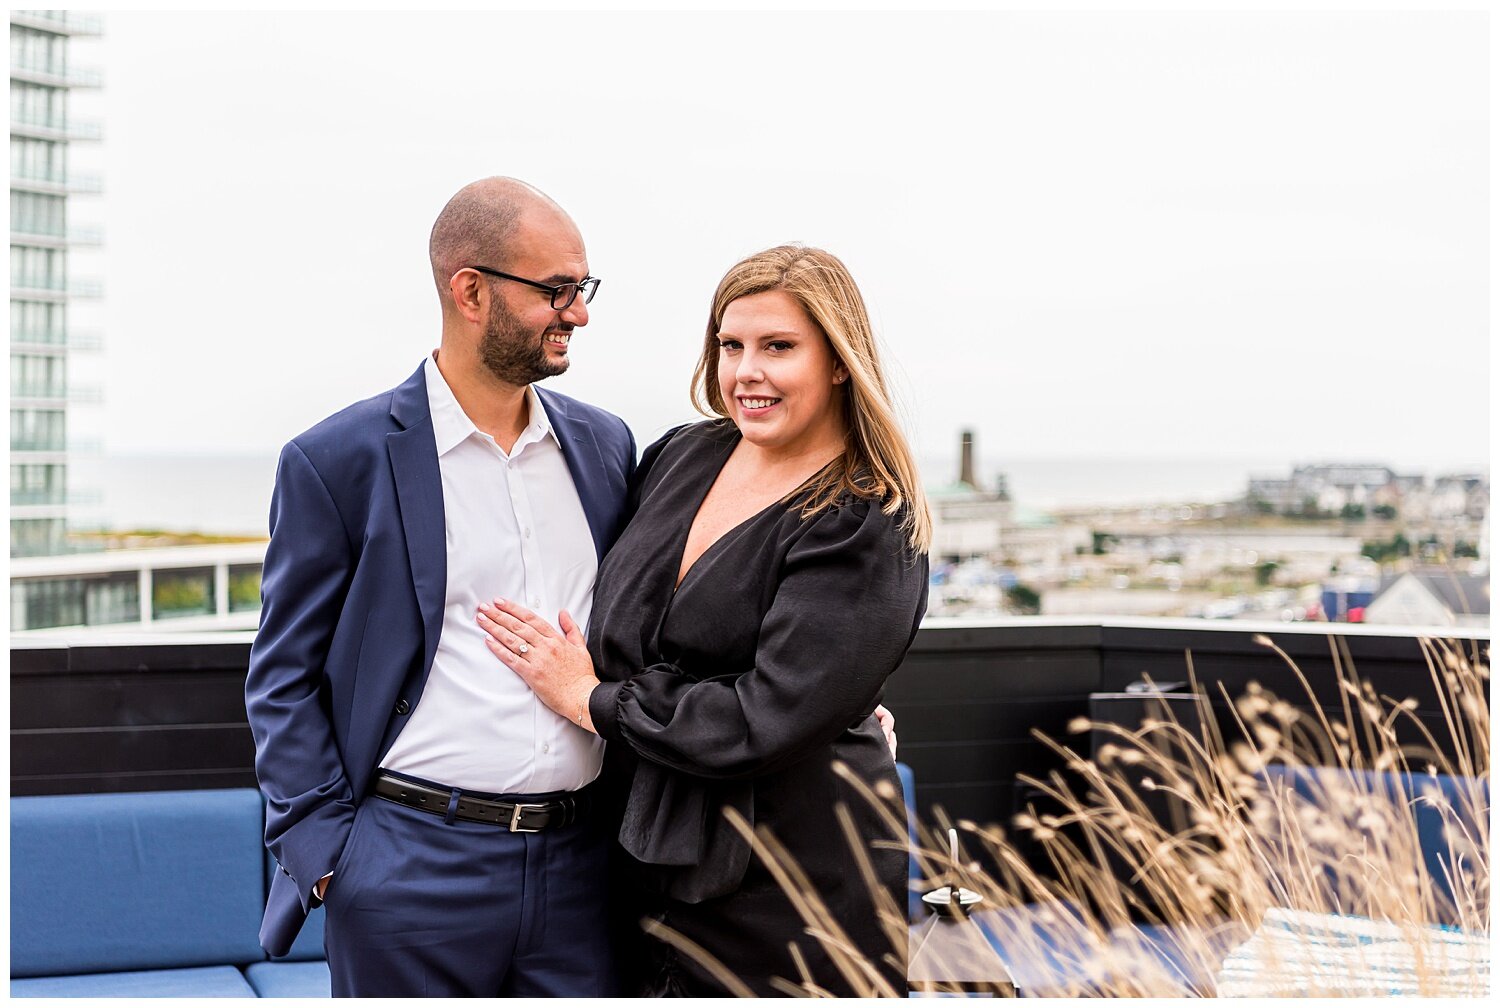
<point x="451" y="425"/>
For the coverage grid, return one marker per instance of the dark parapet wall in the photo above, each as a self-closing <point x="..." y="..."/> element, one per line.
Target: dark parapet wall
<point x="157" y="716"/>
<point x="969" y="699"/>
<point x="170" y="714"/>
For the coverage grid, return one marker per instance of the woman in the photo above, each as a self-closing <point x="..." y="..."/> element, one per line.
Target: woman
<point x="772" y="576"/>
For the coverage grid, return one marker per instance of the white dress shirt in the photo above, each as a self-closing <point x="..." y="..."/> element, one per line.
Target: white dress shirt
<point x="515" y="530"/>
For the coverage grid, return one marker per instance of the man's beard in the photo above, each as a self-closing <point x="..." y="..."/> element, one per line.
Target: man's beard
<point x="513" y="353"/>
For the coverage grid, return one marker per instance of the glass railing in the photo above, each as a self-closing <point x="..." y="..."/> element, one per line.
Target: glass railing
<point x="36" y="229"/>
<point x="39" y="118"/>
<point x="39" y="337"/>
<point x="72" y="182"/>
<point x="38" y="390"/>
<point x="72" y="128"/>
<point x="34" y="63"/>
<point x="20" y="442"/>
<point x="85" y="129"/>
<point x="38" y="283"/>
<point x="72" y="76"/>
<point x="25" y="498"/>
<point x="31" y="173"/>
<point x="85" y="339"/>
<point x="73" y="287"/>
<point x="85" y="395"/>
<point x="85" y="234"/>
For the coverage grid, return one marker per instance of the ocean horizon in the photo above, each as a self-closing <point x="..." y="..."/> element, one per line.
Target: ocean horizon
<point x="231" y="494"/>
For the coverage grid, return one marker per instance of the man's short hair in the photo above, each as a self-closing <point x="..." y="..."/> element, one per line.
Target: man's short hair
<point x="477" y="225"/>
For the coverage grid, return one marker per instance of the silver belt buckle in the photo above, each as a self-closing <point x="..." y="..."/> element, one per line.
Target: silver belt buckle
<point x="515" y="817"/>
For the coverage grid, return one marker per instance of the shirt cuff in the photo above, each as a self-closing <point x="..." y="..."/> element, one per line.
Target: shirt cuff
<point x="604" y="709"/>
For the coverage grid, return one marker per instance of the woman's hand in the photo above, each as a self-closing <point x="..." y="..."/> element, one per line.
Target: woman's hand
<point x="557" y="668"/>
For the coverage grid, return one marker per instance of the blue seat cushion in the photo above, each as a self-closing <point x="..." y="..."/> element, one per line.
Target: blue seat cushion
<point x="914" y="880"/>
<point x="113" y="882"/>
<point x="290" y="979"/>
<point x="1047" y="947"/>
<point x="208" y="981"/>
<point x="1462" y="803"/>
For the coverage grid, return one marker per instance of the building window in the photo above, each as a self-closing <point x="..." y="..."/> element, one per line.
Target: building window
<point x="113" y="598"/>
<point x="38" y="106"/>
<point x="244" y="588"/>
<point x="42" y="52"/>
<point x="38" y="268"/>
<point x="182" y="593"/>
<point x="33" y="377"/>
<point x="38" y="322"/>
<point x="58" y="602"/>
<point x="37" y="484"/>
<point x="38" y="430"/>
<point x="38" y="160"/>
<point x="36" y="537"/>
<point x="37" y="214"/>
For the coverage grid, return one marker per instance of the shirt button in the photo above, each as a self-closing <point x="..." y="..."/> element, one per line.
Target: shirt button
<point x="528" y="533"/>
<point x="546" y="747"/>
<point x="535" y="602"/>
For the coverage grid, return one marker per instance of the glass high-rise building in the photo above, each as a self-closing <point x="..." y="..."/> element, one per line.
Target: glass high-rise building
<point x="41" y="136"/>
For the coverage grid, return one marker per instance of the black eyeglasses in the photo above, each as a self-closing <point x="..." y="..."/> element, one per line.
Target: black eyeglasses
<point x="563" y="295"/>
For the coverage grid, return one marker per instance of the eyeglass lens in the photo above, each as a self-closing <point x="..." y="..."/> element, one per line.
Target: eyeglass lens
<point x="564" y="295"/>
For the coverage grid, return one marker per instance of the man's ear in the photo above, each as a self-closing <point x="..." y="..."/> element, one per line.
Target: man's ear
<point x="466" y="287"/>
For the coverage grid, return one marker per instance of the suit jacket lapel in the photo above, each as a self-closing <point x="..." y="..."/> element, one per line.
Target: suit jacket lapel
<point x="419" y="492"/>
<point x="580" y="449"/>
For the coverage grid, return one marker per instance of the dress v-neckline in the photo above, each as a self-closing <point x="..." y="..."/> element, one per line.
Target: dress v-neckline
<point x="727" y="533"/>
<point x="687" y="534"/>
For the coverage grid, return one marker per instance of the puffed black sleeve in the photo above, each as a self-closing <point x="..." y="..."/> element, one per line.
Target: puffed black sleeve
<point x="850" y="596"/>
<point x="641" y="472"/>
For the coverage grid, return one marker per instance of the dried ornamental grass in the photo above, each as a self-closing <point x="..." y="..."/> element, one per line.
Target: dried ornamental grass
<point x="1297" y="838"/>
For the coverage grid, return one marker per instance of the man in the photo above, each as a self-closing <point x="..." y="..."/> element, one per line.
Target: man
<point x="413" y="782"/>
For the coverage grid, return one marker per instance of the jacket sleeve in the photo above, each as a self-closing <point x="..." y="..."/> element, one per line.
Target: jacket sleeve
<point x="847" y="606"/>
<point x="309" y="804"/>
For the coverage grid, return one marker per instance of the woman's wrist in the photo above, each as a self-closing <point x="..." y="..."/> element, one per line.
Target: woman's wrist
<point x="581" y="705"/>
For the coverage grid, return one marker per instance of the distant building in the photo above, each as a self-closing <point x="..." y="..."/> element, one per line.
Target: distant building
<point x="1330" y="487"/>
<point x="1431" y="597"/>
<point x="41" y="133"/>
<point x="1460" y="496"/>
<point x="968" y="521"/>
<point x="213" y="587"/>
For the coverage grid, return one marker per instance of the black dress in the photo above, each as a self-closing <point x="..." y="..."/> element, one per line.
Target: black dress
<point x="739" y="689"/>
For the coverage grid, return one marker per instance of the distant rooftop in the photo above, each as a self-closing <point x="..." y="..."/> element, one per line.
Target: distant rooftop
<point x="1463" y="594"/>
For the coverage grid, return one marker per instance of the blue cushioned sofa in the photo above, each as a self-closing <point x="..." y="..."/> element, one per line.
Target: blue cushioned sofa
<point x="150" y="894"/>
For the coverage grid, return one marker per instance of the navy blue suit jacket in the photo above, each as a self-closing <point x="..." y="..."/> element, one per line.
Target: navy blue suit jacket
<point x="352" y="601"/>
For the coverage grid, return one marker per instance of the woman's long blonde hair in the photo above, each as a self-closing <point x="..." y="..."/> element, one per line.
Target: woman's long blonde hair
<point x="877" y="462"/>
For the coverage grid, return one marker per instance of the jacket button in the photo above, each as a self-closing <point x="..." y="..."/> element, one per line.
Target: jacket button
<point x="402" y="707"/>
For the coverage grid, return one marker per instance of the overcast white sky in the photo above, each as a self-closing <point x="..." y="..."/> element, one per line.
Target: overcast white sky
<point x="1083" y="235"/>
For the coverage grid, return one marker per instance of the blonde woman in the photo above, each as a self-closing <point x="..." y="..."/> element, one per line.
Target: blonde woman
<point x="772" y="576"/>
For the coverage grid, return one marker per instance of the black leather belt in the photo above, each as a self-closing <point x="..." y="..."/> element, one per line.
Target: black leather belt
<point x="518" y="817"/>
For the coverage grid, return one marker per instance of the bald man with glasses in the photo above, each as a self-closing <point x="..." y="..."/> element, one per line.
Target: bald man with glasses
<point x="414" y="785"/>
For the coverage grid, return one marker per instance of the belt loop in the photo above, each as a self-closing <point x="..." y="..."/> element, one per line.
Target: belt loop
<point x="452" y="808"/>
